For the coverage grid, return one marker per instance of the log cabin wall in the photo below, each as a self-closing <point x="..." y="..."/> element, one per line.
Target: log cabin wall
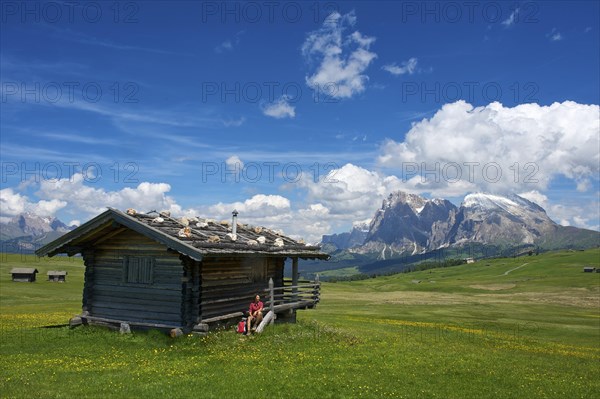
<point x="131" y="277"/>
<point x="190" y="307"/>
<point x="235" y="278"/>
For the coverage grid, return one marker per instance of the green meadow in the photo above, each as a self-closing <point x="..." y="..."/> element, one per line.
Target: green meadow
<point x="526" y="327"/>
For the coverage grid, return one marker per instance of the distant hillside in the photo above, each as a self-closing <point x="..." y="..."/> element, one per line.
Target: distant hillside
<point x="408" y="229"/>
<point x="370" y="265"/>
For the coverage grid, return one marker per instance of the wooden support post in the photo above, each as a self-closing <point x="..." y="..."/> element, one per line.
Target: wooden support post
<point x="88" y="261"/>
<point x="198" y="287"/>
<point x="187" y="282"/>
<point x="294" y="279"/>
<point x="196" y="316"/>
<point x="317" y="290"/>
<point x="271" y="295"/>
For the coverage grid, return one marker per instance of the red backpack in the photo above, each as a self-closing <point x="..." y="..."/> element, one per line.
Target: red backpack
<point x="241" y="328"/>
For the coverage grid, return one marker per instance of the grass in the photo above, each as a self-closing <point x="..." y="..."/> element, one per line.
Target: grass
<point x="343" y="272"/>
<point x="469" y="331"/>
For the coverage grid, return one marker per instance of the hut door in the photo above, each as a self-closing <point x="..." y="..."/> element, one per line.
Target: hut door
<point x="259" y="271"/>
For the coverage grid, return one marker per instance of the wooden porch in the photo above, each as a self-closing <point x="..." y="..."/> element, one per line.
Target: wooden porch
<point x="303" y="294"/>
<point x="283" y="301"/>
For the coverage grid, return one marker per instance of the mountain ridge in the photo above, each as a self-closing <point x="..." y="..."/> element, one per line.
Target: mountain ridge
<point x="408" y="224"/>
<point x="26" y="232"/>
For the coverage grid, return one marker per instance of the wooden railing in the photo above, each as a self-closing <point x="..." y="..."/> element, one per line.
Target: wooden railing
<point x="305" y="294"/>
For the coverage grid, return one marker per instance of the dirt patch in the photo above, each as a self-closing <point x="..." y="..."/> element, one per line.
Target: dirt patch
<point x="493" y="287"/>
<point x="490" y="294"/>
<point x="410" y="298"/>
<point x="567" y="298"/>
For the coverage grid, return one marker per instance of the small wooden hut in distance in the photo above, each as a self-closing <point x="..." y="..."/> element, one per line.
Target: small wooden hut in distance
<point x="23" y="274"/>
<point x="57" y="276"/>
<point x="154" y="271"/>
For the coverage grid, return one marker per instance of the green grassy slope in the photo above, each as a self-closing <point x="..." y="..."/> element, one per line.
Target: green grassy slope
<point x="41" y="296"/>
<point x="550" y="292"/>
<point x="506" y="328"/>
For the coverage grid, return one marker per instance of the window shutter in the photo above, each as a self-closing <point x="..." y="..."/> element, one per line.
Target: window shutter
<point x="138" y="270"/>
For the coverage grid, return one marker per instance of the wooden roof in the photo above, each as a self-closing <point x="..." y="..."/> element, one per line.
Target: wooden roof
<point x="23" y="270"/>
<point x="193" y="237"/>
<point x="56" y="273"/>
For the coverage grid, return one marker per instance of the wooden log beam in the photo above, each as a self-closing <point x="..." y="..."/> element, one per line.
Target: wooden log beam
<point x="271" y="294"/>
<point x="71" y="250"/>
<point x="293" y="305"/>
<point x="237" y="298"/>
<point x="288" y="287"/>
<point x="132" y="323"/>
<point x="268" y="319"/>
<point x="223" y="317"/>
<point x="294" y="276"/>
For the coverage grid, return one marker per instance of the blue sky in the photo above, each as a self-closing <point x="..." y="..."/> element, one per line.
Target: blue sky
<point x="202" y="107"/>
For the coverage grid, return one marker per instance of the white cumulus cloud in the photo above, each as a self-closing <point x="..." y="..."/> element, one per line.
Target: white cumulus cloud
<point x="48" y="208"/>
<point x="407" y="67"/>
<point x="568" y="212"/>
<point x="342" y="58"/>
<point x="13" y="204"/>
<point x="280" y="109"/>
<point x="276" y="212"/>
<point x="74" y="190"/>
<point x="464" y="148"/>
<point x="350" y="193"/>
<point x="234" y="162"/>
<point x="260" y="206"/>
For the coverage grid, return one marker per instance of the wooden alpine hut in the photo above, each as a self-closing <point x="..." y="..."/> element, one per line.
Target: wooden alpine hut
<point x="57" y="276"/>
<point x="23" y="274"/>
<point x="154" y="271"/>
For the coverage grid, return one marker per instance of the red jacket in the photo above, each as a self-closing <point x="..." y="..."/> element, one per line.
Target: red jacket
<point x="254" y="306"/>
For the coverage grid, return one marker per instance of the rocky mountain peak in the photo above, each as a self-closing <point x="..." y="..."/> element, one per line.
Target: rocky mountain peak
<point x="415" y="202"/>
<point x="355" y="237"/>
<point x="411" y="224"/>
<point x="29" y="224"/>
<point x="406" y="221"/>
<point x="27" y="231"/>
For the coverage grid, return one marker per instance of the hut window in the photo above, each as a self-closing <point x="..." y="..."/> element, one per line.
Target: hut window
<point x="138" y="270"/>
